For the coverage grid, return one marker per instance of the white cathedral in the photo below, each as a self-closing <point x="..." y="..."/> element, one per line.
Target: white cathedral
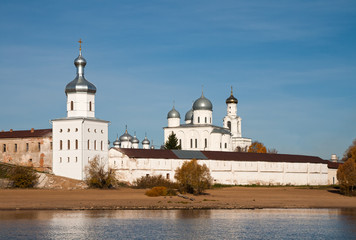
<point x="199" y="133"/>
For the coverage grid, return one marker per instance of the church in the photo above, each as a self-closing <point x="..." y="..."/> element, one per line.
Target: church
<point x="199" y="133"/>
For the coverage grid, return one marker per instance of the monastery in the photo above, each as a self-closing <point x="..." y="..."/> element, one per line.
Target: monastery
<point x="74" y="140"/>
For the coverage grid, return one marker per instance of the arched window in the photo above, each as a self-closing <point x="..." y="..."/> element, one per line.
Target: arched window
<point x="206" y="120"/>
<point x="60" y="145"/>
<point x="90" y="106"/>
<point x="71" y="105"/>
<point x="68" y="144"/>
<point x="198" y="119"/>
<point x="206" y="142"/>
<point x="225" y="145"/>
<point x="94" y="144"/>
<point x="191" y="143"/>
<point x="76" y="144"/>
<point x="101" y="145"/>
<point x="88" y="144"/>
<point x="229" y="125"/>
<point x="196" y="143"/>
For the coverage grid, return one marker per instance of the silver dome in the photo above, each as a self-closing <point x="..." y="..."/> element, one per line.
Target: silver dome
<point x="145" y="141"/>
<point x="202" y="103"/>
<point x="135" y="140"/>
<point x="116" y="143"/>
<point x="80" y="84"/>
<point x="189" y="115"/>
<point x="173" y="113"/>
<point x="125" y="137"/>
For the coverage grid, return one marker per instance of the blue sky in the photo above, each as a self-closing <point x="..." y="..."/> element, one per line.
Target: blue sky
<point x="292" y="65"/>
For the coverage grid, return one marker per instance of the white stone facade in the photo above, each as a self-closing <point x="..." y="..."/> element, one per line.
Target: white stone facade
<point x="199" y="133"/>
<point x="242" y="172"/>
<point x="80" y="136"/>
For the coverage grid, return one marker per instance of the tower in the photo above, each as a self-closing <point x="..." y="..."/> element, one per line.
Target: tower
<point x="231" y="120"/>
<point x="80" y="136"/>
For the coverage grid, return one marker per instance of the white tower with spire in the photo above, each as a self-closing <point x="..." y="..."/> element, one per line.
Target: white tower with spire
<point x="80" y="136"/>
<point x="233" y="122"/>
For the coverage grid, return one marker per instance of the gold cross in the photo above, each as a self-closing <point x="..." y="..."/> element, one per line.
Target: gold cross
<point x="80" y="44"/>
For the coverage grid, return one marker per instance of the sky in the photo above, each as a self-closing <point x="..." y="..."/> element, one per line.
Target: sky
<point x="292" y="65"/>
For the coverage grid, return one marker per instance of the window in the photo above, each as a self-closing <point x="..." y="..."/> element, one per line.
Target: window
<point x="167" y="175"/>
<point x="94" y="144"/>
<point x="15" y="147"/>
<point x="39" y="146"/>
<point x="225" y="145"/>
<point x="68" y="147"/>
<point x="27" y="147"/>
<point x="60" y="145"/>
<point x="76" y="143"/>
<point x="101" y="145"/>
<point x="229" y="125"/>
<point x="88" y="144"/>
<point x="76" y="129"/>
<point x="210" y="120"/>
<point x="4" y="148"/>
<point x="206" y="142"/>
<point x="198" y="119"/>
<point x="206" y="120"/>
<point x="191" y="143"/>
<point x="76" y="159"/>
<point x="68" y="130"/>
<point x="180" y="142"/>
<point x="89" y="106"/>
<point x="60" y="160"/>
<point x="196" y="143"/>
<point x="72" y="105"/>
<point x="68" y="159"/>
<point x="51" y="145"/>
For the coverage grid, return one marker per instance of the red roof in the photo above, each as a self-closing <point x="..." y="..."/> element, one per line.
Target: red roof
<point x="334" y="165"/>
<point x="27" y="133"/>
<point x="225" y="156"/>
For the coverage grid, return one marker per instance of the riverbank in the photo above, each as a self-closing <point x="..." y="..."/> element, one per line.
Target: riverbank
<point x="127" y="198"/>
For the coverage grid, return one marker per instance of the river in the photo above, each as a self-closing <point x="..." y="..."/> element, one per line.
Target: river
<point x="180" y="224"/>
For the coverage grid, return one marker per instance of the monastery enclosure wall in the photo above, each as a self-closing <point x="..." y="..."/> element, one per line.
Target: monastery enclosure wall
<point x="224" y="172"/>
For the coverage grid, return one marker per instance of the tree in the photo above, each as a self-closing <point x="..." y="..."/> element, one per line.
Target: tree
<point x="193" y="177"/>
<point x="257" y="147"/>
<point x="23" y="177"/>
<point x="272" y="150"/>
<point x="98" y="177"/>
<point x="346" y="173"/>
<point x="172" y="142"/>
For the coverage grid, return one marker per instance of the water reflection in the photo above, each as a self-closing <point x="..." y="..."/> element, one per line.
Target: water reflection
<point x="180" y="224"/>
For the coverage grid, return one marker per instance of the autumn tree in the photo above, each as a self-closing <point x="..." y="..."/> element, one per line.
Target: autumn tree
<point x="172" y="142"/>
<point x="193" y="177"/>
<point x="257" y="147"/>
<point x="346" y="173"/>
<point x="23" y="177"/>
<point x="97" y="176"/>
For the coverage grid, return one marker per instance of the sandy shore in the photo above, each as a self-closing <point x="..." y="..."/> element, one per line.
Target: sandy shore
<point x="126" y="198"/>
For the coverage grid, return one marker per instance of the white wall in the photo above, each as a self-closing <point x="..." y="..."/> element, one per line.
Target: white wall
<point x="224" y="172"/>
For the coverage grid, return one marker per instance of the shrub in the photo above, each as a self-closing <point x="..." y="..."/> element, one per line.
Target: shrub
<point x="153" y="181"/>
<point x="193" y="178"/>
<point x="23" y="177"/>
<point x="98" y="177"/>
<point x="157" y="191"/>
